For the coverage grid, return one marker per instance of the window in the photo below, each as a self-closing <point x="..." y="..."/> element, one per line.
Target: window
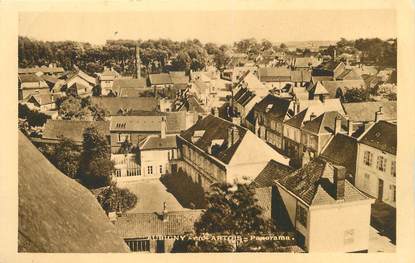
<point x="349" y="236"/>
<point x="117" y="173"/>
<point x="133" y="172"/>
<point x="123" y="137"/>
<point x="368" y="158"/>
<point x="150" y="169"/>
<point x="393" y="168"/>
<point x="302" y="215"/>
<point x="381" y="163"/>
<point x="139" y="245"/>
<point x="161" y="169"/>
<point x="392" y="189"/>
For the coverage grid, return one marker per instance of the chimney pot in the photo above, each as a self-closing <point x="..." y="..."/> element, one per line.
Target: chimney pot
<point x="349" y="127"/>
<point x="163" y="127"/>
<point x="379" y="114"/>
<point x="337" y="124"/>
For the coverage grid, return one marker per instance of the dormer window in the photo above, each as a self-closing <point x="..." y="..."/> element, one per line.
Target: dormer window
<point x="120" y="125"/>
<point x="269" y="107"/>
<point x="197" y="135"/>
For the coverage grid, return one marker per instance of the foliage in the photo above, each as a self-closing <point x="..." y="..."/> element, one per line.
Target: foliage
<point x="75" y="108"/>
<point x="96" y="166"/>
<point x="114" y="199"/>
<point x="231" y="210"/>
<point x="392" y="96"/>
<point x="126" y="147"/>
<point x="187" y="192"/>
<point x="64" y="155"/>
<point x="356" y="95"/>
<point x="33" y="117"/>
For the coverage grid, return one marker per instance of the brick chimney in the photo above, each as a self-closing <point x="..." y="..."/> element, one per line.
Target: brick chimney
<point x="233" y="135"/>
<point x="379" y="114"/>
<point x="339" y="178"/>
<point x="312" y="116"/>
<point x="216" y="111"/>
<point x="164" y="214"/>
<point x="163" y="128"/>
<point x="337" y="124"/>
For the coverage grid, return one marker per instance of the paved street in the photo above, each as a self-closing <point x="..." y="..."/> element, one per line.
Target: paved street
<point x="378" y="243"/>
<point x="151" y="194"/>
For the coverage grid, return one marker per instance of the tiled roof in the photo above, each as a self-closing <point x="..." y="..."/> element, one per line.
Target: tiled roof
<point x="136" y="123"/>
<point x="269" y="74"/>
<point x="329" y="65"/>
<point x="300" y="75"/>
<point x="44" y="99"/>
<point x="305" y="62"/>
<point x="325" y="123"/>
<point x="349" y="74"/>
<point x="29" y="78"/>
<point x="382" y="135"/>
<point x="57" y="214"/>
<point x="273" y="171"/>
<point x="342" y="150"/>
<point x="115" y="104"/>
<point x="314" y="185"/>
<point x="191" y="104"/>
<point x="297" y="120"/>
<point x="215" y="128"/>
<point x="160" y="79"/>
<point x="129" y="83"/>
<point x="40" y="69"/>
<point x="132" y="92"/>
<point x="72" y="129"/>
<point x="366" y="111"/>
<point x="157" y="143"/>
<point x="176" y="121"/>
<point x="178" y="77"/>
<point x="333" y="85"/>
<point x="148" y="224"/>
<point x="244" y="96"/>
<point x="79" y="87"/>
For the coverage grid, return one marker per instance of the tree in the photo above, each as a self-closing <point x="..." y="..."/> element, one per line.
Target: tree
<point x="71" y="109"/>
<point x="356" y="95"/>
<point x="181" y="62"/>
<point x="231" y="210"/>
<point x="33" y="117"/>
<point x="65" y="156"/>
<point x="114" y="199"/>
<point x="96" y="166"/>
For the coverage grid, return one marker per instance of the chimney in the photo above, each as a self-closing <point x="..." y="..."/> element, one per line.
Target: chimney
<point x="216" y="111"/>
<point x="339" y="178"/>
<point x="233" y="135"/>
<point x="164" y="214"/>
<point x="236" y="120"/>
<point x="312" y="116"/>
<point x="337" y="124"/>
<point x="349" y="127"/>
<point x="379" y="114"/>
<point x="163" y="127"/>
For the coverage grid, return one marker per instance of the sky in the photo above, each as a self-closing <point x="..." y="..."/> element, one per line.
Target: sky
<point x="209" y="26"/>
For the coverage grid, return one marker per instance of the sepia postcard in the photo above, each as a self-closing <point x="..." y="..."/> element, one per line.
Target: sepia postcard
<point x="224" y="130"/>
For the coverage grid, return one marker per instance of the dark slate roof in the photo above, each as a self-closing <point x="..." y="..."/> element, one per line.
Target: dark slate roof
<point x="244" y="96"/>
<point x="278" y="109"/>
<point x="382" y="135"/>
<point x="115" y="104"/>
<point x="160" y="79"/>
<point x="71" y="129"/>
<point x="313" y="184"/>
<point x="129" y="83"/>
<point x="269" y="74"/>
<point x="325" y="123"/>
<point x="297" y="120"/>
<point x="300" y="75"/>
<point x="57" y="214"/>
<point x="158" y="143"/>
<point x="148" y="224"/>
<point x="191" y="104"/>
<point x="214" y="128"/>
<point x="366" y="111"/>
<point x="273" y="171"/>
<point x="176" y="121"/>
<point x="178" y="77"/>
<point x="342" y="150"/>
<point x="329" y="65"/>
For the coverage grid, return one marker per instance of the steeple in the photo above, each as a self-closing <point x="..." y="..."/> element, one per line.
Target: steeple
<point x="137" y="62"/>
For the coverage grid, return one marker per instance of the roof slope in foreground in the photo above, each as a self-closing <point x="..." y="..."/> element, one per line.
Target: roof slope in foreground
<point x="57" y="214"/>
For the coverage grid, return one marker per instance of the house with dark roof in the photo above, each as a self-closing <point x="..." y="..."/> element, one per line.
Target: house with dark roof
<point x="363" y="114"/>
<point x="43" y="102"/>
<point x="155" y="232"/>
<point x="301" y="113"/>
<point x="266" y="119"/>
<point x="31" y="84"/>
<point x="376" y="162"/>
<point x="215" y="150"/>
<point x="56" y="214"/>
<point x="317" y="201"/>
